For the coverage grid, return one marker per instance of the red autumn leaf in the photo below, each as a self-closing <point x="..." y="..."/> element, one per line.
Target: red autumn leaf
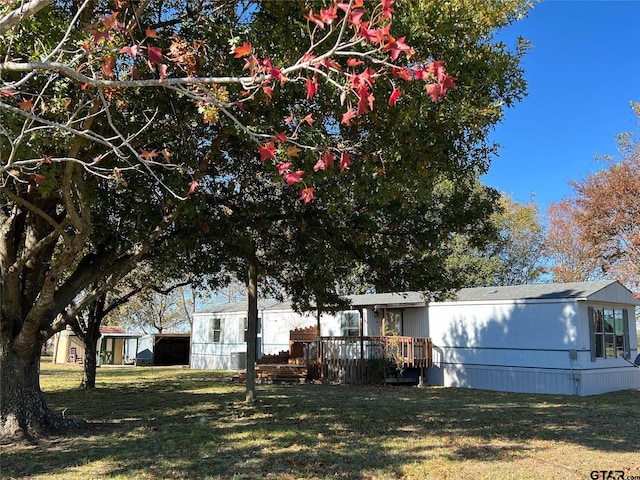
<point x="345" y="161"/>
<point x="348" y="116"/>
<point x="192" y="188"/>
<point x="6" y="92"/>
<point x="353" y="62"/>
<point x="365" y="100"/>
<point x="289" y="119"/>
<point x="151" y="33"/>
<point x="307" y="195"/>
<point x="405" y="74"/>
<point x="26" y="105"/>
<point x="268" y="91"/>
<point x="315" y="19"/>
<point x="367" y="77"/>
<point x="331" y="65"/>
<point x="293" y="177"/>
<point x="243" y="50"/>
<point x="132" y="50"/>
<point x="267" y="151"/>
<point x="447" y="83"/>
<point x="395" y="95"/>
<point x="280" y="137"/>
<point x="312" y="88"/>
<point x="387" y="11"/>
<point x="155" y="54"/>
<point x="356" y="17"/>
<point x="434" y="91"/>
<point x="327" y="160"/>
<point x="275" y="73"/>
<point x="329" y="15"/>
<point x="39" y="178"/>
<point x="320" y="165"/>
<point x="309" y="119"/>
<point x="284" y="167"/>
<point x="166" y="154"/>
<point x="46" y="160"/>
<point x="396" y="47"/>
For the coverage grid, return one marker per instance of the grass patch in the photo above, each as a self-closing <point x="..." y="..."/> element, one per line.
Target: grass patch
<point x="164" y="422"/>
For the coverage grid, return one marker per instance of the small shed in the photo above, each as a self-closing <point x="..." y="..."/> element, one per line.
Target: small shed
<point x="114" y="347"/>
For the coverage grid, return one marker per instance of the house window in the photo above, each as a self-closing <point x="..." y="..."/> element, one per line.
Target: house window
<point x="350" y="323"/>
<point x="245" y="322"/>
<point x="216" y="330"/>
<point x="393" y="322"/>
<point x="610" y="332"/>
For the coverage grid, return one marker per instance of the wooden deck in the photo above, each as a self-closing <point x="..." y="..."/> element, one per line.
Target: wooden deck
<point x="369" y="359"/>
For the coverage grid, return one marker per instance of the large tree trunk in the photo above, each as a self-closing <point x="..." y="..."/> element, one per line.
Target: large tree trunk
<point x="252" y="326"/>
<point x="23" y="411"/>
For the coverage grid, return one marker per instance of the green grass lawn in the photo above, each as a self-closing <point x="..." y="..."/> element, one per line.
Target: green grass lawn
<point x="172" y="423"/>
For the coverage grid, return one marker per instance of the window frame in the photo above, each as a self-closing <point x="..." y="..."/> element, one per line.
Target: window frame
<point x="609" y="332"/>
<point x="213" y="330"/>
<point x="347" y="329"/>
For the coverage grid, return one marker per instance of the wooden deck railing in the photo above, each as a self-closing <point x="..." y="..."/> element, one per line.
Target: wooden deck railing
<point x="364" y="359"/>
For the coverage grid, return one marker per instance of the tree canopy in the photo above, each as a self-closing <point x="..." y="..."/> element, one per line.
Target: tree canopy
<point x="131" y="129"/>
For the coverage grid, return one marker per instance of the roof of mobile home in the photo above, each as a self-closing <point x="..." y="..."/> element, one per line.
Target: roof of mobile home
<point x="605" y="291"/>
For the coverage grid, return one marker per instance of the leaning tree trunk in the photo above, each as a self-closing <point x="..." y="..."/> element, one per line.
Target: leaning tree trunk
<point x="23" y="410"/>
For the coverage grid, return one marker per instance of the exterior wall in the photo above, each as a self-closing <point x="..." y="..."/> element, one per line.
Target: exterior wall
<point x="415" y="322"/>
<point x="273" y="336"/>
<point x="530" y="347"/>
<point x="505" y="346"/>
<point x="217" y="356"/>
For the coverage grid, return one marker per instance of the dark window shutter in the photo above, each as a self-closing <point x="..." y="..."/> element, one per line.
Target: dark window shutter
<point x="592" y="334"/>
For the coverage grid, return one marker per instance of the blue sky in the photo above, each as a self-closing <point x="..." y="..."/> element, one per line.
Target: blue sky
<point x="582" y="72"/>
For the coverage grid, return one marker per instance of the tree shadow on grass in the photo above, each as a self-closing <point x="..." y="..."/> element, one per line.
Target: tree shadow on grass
<point x="195" y="426"/>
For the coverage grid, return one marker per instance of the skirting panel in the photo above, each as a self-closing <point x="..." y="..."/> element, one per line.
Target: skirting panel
<point x="535" y="380"/>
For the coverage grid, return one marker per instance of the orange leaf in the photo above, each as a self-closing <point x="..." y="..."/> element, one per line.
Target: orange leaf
<point x="243" y="50"/>
<point x="26" y="105"/>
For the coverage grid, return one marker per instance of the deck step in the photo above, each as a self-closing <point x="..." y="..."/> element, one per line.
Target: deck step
<point x="279" y="373"/>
